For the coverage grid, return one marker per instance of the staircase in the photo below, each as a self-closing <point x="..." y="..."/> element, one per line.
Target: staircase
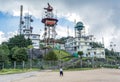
<point x="67" y="64"/>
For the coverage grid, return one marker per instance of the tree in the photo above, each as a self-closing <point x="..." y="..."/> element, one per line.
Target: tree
<point x="28" y="42"/>
<point x="19" y="41"/>
<point x="96" y="45"/>
<point x="4" y="52"/>
<point x="2" y="55"/>
<point x="51" y="56"/>
<point x="5" y="48"/>
<point x="80" y="53"/>
<point x="112" y="56"/>
<point x="30" y="47"/>
<point x="110" y="53"/>
<point x="19" y="54"/>
<point x="61" y="40"/>
<point x="12" y="53"/>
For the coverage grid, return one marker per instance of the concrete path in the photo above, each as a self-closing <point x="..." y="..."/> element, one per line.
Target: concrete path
<point x="13" y="77"/>
<point x="98" y="75"/>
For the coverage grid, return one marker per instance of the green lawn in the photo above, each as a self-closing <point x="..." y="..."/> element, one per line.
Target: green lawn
<point x="13" y="71"/>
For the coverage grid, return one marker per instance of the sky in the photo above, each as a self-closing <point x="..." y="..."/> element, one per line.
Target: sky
<point x="101" y="18"/>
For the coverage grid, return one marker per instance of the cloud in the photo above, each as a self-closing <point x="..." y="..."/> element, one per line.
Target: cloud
<point x="11" y="34"/>
<point x="62" y="31"/>
<point x="4" y="37"/>
<point x="100" y="17"/>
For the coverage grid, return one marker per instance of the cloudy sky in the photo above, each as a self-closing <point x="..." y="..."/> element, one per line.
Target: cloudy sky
<point x="101" y="18"/>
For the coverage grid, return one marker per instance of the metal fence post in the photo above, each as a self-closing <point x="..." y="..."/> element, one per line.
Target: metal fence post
<point x="23" y="64"/>
<point x="30" y="63"/>
<point x="3" y="66"/>
<point x="14" y="64"/>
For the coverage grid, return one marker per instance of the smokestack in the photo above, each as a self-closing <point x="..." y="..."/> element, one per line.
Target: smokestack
<point x="21" y="13"/>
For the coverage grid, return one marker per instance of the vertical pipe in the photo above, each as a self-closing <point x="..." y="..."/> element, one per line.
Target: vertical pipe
<point x="21" y="11"/>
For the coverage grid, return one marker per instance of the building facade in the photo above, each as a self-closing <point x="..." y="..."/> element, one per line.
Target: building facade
<point x="81" y="42"/>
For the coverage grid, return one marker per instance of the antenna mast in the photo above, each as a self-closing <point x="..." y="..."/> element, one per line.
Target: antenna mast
<point x="68" y="30"/>
<point x="21" y="14"/>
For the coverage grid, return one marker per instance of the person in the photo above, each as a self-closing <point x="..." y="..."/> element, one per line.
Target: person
<point x="61" y="71"/>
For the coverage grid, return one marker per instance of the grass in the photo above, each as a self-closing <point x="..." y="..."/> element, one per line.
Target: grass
<point x="14" y="71"/>
<point x="63" y="55"/>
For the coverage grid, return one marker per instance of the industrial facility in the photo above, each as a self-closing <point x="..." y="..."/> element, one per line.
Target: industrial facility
<point x="80" y="42"/>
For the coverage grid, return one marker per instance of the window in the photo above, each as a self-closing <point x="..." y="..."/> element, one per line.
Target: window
<point x="102" y="53"/>
<point x="75" y="43"/>
<point x="88" y="53"/>
<point x="34" y="36"/>
<point x="94" y="53"/>
<point x="81" y="46"/>
<point x="27" y="32"/>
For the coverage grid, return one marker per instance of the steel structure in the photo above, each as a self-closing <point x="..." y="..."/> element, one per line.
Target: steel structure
<point x="27" y="28"/>
<point x="25" y="24"/>
<point x="50" y="23"/>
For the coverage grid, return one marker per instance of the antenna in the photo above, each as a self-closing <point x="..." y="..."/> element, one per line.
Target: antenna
<point x="103" y="41"/>
<point x="74" y="26"/>
<point x="21" y="14"/>
<point x="68" y="30"/>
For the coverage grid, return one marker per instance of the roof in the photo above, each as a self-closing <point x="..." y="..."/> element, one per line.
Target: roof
<point x="79" y="26"/>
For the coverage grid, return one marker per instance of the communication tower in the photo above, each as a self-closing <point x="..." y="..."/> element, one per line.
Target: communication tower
<point x="50" y="23"/>
<point x="25" y="24"/>
<point x="27" y="28"/>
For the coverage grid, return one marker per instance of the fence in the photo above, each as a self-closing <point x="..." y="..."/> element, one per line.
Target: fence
<point x="74" y="63"/>
<point x="30" y="64"/>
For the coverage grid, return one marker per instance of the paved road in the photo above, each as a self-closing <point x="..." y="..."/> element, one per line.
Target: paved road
<point x="97" y="75"/>
<point x="13" y="77"/>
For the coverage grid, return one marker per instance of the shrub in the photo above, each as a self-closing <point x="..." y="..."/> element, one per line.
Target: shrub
<point x="51" y="56"/>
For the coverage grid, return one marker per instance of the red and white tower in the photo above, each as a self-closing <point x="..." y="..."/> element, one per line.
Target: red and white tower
<point x="50" y="23"/>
